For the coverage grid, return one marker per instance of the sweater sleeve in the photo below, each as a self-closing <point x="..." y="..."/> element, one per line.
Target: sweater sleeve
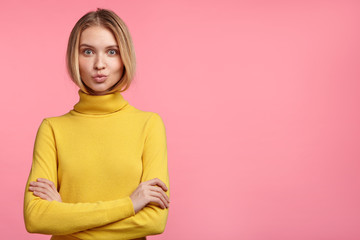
<point x="58" y="218"/>
<point x="151" y="219"/>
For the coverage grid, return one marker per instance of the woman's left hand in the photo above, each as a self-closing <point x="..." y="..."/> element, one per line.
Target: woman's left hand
<point x="45" y="189"/>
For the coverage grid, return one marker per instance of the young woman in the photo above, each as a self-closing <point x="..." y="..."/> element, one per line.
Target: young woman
<point x="100" y="170"/>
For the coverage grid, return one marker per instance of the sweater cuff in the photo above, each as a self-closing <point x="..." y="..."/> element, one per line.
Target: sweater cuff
<point x="123" y="208"/>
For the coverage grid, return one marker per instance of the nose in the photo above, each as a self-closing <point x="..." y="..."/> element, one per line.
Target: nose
<point x="99" y="62"/>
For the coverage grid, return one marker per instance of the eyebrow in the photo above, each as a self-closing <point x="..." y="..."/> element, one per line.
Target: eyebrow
<point x="88" y="45"/>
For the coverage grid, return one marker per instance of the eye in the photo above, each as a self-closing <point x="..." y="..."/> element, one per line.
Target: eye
<point x="112" y="52"/>
<point x="87" y="51"/>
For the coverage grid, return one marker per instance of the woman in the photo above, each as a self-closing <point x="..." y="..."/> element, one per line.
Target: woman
<point x="100" y="170"/>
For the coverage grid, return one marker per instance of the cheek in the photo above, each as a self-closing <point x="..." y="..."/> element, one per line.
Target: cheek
<point x="83" y="65"/>
<point x="117" y="65"/>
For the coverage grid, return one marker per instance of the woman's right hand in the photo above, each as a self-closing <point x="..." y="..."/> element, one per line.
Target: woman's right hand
<point x="152" y="191"/>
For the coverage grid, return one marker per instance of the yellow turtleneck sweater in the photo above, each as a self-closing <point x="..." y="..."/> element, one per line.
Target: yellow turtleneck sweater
<point x="97" y="154"/>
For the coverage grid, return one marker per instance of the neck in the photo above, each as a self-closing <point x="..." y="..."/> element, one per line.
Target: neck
<point x="100" y="104"/>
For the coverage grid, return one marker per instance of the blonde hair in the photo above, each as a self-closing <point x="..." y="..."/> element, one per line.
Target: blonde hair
<point x="108" y="19"/>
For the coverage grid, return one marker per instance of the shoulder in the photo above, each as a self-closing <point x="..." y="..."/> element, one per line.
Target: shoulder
<point x="152" y="122"/>
<point x="55" y="120"/>
<point x="155" y="124"/>
<point x="146" y="115"/>
<point x="58" y="118"/>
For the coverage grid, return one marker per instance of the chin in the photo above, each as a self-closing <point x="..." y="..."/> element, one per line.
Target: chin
<point x="98" y="88"/>
<point x="96" y="91"/>
<point x="100" y="92"/>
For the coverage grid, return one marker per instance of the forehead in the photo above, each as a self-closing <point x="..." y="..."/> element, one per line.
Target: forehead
<point x="97" y="36"/>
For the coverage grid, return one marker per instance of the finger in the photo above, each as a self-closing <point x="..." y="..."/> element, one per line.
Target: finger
<point x="51" y="195"/>
<point x="58" y="197"/>
<point x="158" y="182"/>
<point x="45" y="189"/>
<point x="161" y="197"/>
<point x="42" y="195"/>
<point x="32" y="189"/>
<point x="157" y="202"/>
<point x="40" y="189"/>
<point x="50" y="183"/>
<point x="159" y="190"/>
<point x="42" y="185"/>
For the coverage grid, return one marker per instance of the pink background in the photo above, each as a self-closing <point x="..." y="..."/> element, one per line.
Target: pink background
<point x="260" y="100"/>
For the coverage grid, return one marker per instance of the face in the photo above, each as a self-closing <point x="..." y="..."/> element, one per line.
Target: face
<point x="99" y="59"/>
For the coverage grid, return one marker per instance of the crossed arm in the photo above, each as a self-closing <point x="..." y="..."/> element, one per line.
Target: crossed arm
<point x="145" y="210"/>
<point x="146" y="193"/>
<point x="150" y="194"/>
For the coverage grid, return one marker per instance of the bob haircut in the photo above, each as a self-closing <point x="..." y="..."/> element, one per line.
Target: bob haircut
<point x="108" y="19"/>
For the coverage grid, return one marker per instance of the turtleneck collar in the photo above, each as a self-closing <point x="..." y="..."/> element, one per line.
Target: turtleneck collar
<point x="99" y="104"/>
